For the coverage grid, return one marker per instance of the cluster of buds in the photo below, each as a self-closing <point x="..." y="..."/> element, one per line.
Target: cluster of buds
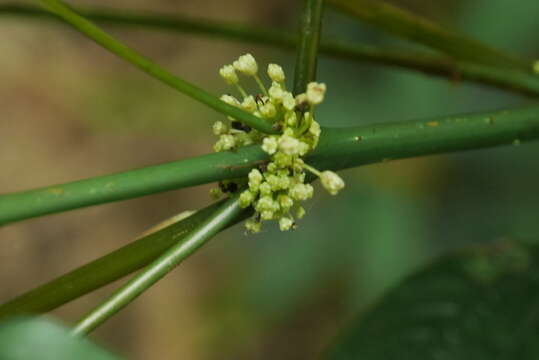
<point x="276" y="189"/>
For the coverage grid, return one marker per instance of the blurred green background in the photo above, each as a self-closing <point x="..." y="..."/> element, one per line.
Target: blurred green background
<point x="71" y="110"/>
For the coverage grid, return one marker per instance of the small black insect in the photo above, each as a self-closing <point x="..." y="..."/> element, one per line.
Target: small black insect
<point x="228" y="187"/>
<point x="240" y="126"/>
<point x="258" y="217"/>
<point x="259" y="99"/>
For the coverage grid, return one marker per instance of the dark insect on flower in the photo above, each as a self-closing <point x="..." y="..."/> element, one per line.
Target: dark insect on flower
<point x="228" y="187"/>
<point x="263" y="167"/>
<point x="259" y="99"/>
<point x="240" y="126"/>
<point x="258" y="217"/>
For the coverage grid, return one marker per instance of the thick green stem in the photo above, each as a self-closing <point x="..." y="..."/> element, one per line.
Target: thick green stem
<point x="165" y="263"/>
<point x="338" y="149"/>
<point x="107" y="269"/>
<point x="307" y="53"/>
<point x="108" y="42"/>
<point x="405" y="24"/>
<point x="456" y="70"/>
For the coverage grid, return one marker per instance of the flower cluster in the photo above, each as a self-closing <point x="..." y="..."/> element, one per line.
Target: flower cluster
<point x="276" y="189"/>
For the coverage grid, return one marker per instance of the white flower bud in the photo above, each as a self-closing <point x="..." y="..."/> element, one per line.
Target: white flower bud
<point x="266" y="215"/>
<point x="255" y="179"/>
<point x="301" y="192"/>
<point x="230" y="100"/>
<point x="227" y="142"/>
<point x="246" y="64"/>
<point x="268" y="110"/>
<point x="265" y="189"/>
<point x="288" y="100"/>
<point x="303" y="148"/>
<point x="315" y="92"/>
<point x="269" y="145"/>
<point x="331" y="182"/>
<point x="290" y="118"/>
<point x="249" y="104"/>
<point x="228" y="73"/>
<point x="275" y="72"/>
<point x="253" y="226"/>
<point x="264" y="203"/>
<point x="300" y="212"/>
<point x="246" y="198"/>
<point x="276" y="92"/>
<point x="286" y="201"/>
<point x="301" y="99"/>
<point x="289" y="145"/>
<point x="219" y="128"/>
<point x="285" y="223"/>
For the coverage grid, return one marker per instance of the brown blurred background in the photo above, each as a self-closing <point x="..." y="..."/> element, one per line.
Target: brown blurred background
<point x="71" y="110"/>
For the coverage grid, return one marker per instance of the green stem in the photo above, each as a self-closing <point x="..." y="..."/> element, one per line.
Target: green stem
<point x="509" y="80"/>
<point x="108" y="42"/>
<point x="338" y="149"/>
<point x="107" y="269"/>
<point x="405" y="24"/>
<point x="307" y="53"/>
<point x="161" y="266"/>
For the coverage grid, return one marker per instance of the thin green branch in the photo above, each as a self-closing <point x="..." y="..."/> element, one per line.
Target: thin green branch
<point x="106" y="269"/>
<point x="164" y="264"/>
<point x="108" y="42"/>
<point x="309" y="39"/>
<point x="410" y="26"/>
<point x="338" y="149"/>
<point x="510" y="80"/>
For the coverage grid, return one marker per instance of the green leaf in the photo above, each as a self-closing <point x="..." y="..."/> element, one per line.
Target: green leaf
<point x="480" y="303"/>
<point x="38" y="338"/>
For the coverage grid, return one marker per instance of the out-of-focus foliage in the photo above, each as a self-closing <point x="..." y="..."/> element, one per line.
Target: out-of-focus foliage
<point x="38" y="338"/>
<point x="480" y="303"/>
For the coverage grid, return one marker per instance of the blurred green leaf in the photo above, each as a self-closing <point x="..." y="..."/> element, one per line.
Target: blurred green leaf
<point x="480" y="303"/>
<point x="38" y="338"/>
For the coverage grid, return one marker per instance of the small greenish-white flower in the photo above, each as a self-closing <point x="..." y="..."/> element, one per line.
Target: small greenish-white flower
<point x="303" y="148"/>
<point x="228" y="73"/>
<point x="276" y="92"/>
<point x="285" y="223"/>
<point x="275" y="72"/>
<point x="266" y="215"/>
<point x="268" y="110"/>
<point x="265" y="188"/>
<point x="289" y="145"/>
<point x="289" y="103"/>
<point x="246" y="198"/>
<point x="220" y="128"/>
<point x="301" y="192"/>
<point x="315" y="92"/>
<point x="269" y="145"/>
<point x="282" y="160"/>
<point x="331" y="182"/>
<point x="285" y="201"/>
<point x="249" y="104"/>
<point x="291" y="118"/>
<point x="230" y="100"/>
<point x="246" y="64"/>
<point x="315" y="129"/>
<point x="253" y="225"/>
<point x="227" y="142"/>
<point x="301" y="99"/>
<point x="264" y="203"/>
<point x="300" y="212"/>
<point x="273" y="181"/>
<point x="216" y="193"/>
<point x="255" y="179"/>
<point x="284" y="182"/>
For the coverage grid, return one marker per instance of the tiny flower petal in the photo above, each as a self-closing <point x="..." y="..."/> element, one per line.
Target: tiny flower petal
<point x="289" y="103"/>
<point x="276" y="92"/>
<point x="246" y="198"/>
<point x="289" y="145"/>
<point x="249" y="104"/>
<point x="253" y="226"/>
<point x="268" y="110"/>
<point x="230" y="100"/>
